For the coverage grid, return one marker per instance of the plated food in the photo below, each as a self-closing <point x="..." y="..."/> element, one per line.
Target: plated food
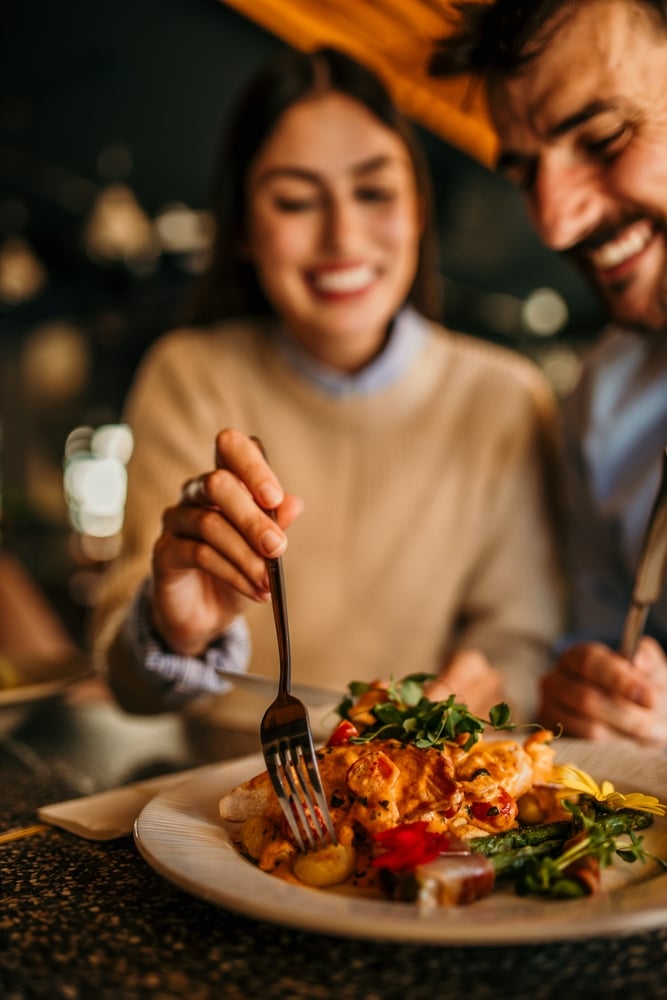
<point x="431" y="805"/>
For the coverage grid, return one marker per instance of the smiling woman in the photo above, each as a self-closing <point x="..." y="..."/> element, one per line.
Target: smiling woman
<point x="333" y="228"/>
<point x="410" y="449"/>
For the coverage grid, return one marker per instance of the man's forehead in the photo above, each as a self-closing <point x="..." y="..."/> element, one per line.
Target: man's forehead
<point x="594" y="62"/>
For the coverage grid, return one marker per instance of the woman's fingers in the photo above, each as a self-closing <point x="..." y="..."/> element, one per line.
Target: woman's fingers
<point x="201" y="538"/>
<point x="211" y="554"/>
<point x="228" y="498"/>
<point x="243" y="456"/>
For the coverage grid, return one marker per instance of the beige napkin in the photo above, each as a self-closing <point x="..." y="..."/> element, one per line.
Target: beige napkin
<point x="111" y="814"/>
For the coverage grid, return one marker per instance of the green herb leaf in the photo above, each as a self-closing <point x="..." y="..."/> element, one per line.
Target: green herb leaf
<point x="409" y="716"/>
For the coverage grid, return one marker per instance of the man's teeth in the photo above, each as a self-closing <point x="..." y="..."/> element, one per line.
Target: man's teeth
<point x="630" y="243"/>
<point x="349" y="280"/>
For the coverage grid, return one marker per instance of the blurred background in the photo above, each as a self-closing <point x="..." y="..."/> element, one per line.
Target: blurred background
<point x="110" y="114"/>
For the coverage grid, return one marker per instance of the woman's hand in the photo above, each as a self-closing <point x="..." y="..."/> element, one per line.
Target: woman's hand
<point x="595" y="693"/>
<point x="209" y="560"/>
<point x="473" y="680"/>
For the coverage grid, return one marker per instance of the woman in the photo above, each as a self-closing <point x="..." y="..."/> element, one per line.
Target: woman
<point x="422" y="535"/>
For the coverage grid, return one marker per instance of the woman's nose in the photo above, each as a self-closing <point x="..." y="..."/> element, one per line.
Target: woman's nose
<point x="566" y="202"/>
<point x="341" y="224"/>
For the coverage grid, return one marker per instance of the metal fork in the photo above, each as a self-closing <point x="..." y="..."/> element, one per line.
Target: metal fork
<point x="287" y="741"/>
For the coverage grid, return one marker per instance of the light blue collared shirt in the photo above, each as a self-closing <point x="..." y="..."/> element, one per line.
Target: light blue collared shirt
<point x="407" y="336"/>
<point x="615" y="432"/>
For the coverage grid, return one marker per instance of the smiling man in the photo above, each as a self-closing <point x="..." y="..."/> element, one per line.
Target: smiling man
<point x="577" y="92"/>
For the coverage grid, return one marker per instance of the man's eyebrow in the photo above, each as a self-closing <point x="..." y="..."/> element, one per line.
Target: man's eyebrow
<point x="580" y="117"/>
<point x="507" y="159"/>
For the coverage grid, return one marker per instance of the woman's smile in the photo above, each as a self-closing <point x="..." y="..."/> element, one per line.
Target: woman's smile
<point x="340" y="281"/>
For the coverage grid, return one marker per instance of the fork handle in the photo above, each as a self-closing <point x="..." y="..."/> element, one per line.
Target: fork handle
<point x="279" y="604"/>
<point x="274" y="568"/>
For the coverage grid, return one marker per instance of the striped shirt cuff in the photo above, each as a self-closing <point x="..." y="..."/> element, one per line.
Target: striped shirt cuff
<point x="182" y="678"/>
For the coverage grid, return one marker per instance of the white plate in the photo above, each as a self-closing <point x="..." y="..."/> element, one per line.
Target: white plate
<point x="181" y="836"/>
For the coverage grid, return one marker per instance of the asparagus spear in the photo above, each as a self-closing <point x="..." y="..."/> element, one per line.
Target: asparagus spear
<point x="512" y="851"/>
<point x="613" y="824"/>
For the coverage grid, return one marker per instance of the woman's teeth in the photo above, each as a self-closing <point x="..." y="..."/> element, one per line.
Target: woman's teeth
<point x="349" y="280"/>
<point x="616" y="252"/>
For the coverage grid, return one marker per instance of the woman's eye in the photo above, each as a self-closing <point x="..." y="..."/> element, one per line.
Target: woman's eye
<point x="375" y="193"/>
<point x="285" y="204"/>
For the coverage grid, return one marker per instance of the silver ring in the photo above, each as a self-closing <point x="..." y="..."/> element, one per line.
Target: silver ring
<point x="193" y="491"/>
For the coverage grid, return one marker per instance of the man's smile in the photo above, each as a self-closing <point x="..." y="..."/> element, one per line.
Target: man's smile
<point x="624" y="247"/>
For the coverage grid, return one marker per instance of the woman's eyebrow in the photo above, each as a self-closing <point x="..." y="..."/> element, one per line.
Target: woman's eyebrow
<point x="300" y="173"/>
<point x="368" y="166"/>
<point x="374" y="163"/>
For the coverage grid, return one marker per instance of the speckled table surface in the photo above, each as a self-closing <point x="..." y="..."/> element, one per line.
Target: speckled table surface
<point x="82" y="919"/>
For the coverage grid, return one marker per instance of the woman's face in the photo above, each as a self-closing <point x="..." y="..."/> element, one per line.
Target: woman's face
<point x="333" y="227"/>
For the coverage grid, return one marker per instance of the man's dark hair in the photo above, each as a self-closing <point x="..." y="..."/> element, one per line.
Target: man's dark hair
<point x="499" y="38"/>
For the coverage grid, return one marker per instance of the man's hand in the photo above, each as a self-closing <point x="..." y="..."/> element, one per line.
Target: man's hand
<point x="595" y="693"/>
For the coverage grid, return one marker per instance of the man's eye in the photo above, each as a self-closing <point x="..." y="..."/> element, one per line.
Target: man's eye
<point x="611" y="144"/>
<point x="521" y="174"/>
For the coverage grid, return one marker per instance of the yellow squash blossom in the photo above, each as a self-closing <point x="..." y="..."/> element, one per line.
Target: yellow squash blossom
<point x="573" y="779"/>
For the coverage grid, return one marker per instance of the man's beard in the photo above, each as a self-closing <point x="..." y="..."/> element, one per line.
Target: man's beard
<point x="652" y="322"/>
<point x="611" y="297"/>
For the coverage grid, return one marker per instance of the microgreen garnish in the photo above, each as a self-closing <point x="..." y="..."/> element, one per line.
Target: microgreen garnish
<point x="407" y="715"/>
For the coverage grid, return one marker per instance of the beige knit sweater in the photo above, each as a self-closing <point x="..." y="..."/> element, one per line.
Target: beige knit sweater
<point x="428" y="506"/>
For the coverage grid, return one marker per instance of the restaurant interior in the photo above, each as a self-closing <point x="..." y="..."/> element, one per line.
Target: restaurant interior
<point x="109" y="117"/>
<point x="108" y="124"/>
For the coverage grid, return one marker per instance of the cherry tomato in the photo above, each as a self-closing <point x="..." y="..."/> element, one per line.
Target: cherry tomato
<point x="343" y="733"/>
<point x="501" y="805"/>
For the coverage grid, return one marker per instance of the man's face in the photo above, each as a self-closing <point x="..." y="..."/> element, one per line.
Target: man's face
<point x="583" y="131"/>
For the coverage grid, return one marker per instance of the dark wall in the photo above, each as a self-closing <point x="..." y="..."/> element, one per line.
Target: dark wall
<point x="156" y="75"/>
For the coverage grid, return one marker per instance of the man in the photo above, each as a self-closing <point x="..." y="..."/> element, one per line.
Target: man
<point x="577" y="92"/>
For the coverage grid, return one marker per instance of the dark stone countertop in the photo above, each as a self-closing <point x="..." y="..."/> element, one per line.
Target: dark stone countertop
<point x="82" y="919"/>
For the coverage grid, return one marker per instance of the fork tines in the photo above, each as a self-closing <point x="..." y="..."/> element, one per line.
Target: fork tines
<point x="296" y="780"/>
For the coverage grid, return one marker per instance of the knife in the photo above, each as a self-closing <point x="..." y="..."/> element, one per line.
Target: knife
<point x="315" y="696"/>
<point x="651" y="569"/>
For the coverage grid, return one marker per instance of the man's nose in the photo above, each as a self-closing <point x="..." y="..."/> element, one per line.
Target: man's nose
<point x="566" y="202"/>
